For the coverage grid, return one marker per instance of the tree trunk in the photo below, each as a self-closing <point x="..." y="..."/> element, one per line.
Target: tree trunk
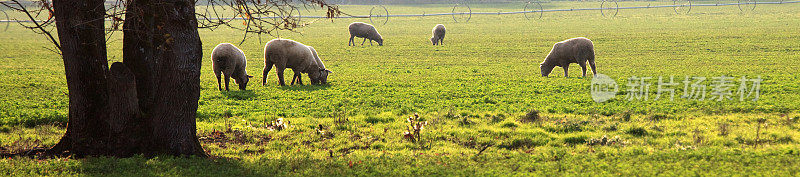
<point x="82" y="37"/>
<point x="163" y="50"/>
<point x="146" y="105"/>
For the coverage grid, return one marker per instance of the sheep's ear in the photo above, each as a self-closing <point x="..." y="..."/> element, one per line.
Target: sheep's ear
<point x="249" y="76"/>
<point x="329" y="71"/>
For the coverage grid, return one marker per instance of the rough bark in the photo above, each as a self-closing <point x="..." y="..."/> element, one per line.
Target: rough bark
<point x="124" y="117"/>
<point x="82" y="38"/>
<point x="146" y="105"/>
<point x="163" y="50"/>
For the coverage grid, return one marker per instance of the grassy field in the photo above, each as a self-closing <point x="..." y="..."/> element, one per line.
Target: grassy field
<point x="476" y="91"/>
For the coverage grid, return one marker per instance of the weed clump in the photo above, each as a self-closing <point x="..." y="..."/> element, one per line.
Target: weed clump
<point x="626" y="116"/>
<point x="496" y="118"/>
<point x="278" y="125"/>
<point x="605" y="141"/>
<point x="636" y="131"/>
<point x="531" y="116"/>
<point x="414" y="129"/>
<point x="724" y="129"/>
<point x="509" y="125"/>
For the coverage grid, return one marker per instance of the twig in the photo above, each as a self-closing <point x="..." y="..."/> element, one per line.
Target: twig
<point x="37" y="25"/>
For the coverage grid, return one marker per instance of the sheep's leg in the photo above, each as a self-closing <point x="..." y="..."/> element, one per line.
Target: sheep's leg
<point x="442" y="41"/>
<point x="351" y="40"/>
<point x="365" y="40"/>
<point x="594" y="70"/>
<point x="227" y="79"/>
<point x="583" y="66"/>
<point x="370" y="42"/>
<point x="297" y="77"/>
<point x="281" y="67"/>
<point x="566" y="71"/>
<point x="280" y="78"/>
<point x="267" y="67"/>
<point x="219" y="80"/>
<point x="300" y="78"/>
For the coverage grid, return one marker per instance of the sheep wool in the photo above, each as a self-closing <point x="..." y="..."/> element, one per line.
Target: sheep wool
<point x="286" y="53"/>
<point x="576" y="50"/>
<point x="229" y="60"/>
<point x="366" y="31"/>
<point x="438" y="35"/>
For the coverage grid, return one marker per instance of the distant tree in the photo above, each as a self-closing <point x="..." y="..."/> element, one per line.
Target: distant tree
<point x="147" y="103"/>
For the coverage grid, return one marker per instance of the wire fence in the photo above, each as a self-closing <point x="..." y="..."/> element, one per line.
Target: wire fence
<point x="380" y="15"/>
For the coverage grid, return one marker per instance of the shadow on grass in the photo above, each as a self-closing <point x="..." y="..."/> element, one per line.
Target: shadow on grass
<point x="164" y="166"/>
<point x="239" y="94"/>
<point x="306" y="87"/>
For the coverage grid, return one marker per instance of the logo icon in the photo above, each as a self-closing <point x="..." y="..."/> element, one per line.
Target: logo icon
<point x="603" y="88"/>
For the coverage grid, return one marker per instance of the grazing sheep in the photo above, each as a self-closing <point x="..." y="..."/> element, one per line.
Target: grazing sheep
<point x="231" y="61"/>
<point x="438" y="35"/>
<point x="366" y="31"/>
<point x="285" y="53"/>
<point x="576" y="50"/>
<point x="323" y="78"/>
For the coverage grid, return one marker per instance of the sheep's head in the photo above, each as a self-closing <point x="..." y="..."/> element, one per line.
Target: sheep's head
<point x="433" y="40"/>
<point x="380" y="41"/>
<point x="546" y="69"/>
<point x="320" y="77"/>
<point x="243" y="81"/>
<point x="323" y="77"/>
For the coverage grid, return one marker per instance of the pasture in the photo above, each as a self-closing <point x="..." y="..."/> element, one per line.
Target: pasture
<point x="476" y="93"/>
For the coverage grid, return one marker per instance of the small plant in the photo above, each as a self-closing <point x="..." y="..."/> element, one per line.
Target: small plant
<point x="611" y="128"/>
<point x="341" y="122"/>
<point x="228" y="124"/>
<point x="788" y="120"/>
<point x="278" y="125"/>
<point x="684" y="147"/>
<point x="531" y="116"/>
<point x="724" y="128"/>
<point x="760" y="122"/>
<point x="605" y="141"/>
<point x="626" y="116"/>
<point x="496" y="118"/>
<point x="414" y="129"/>
<point x="323" y="132"/>
<point x="464" y="121"/>
<point x="697" y="136"/>
<point x="636" y="131"/>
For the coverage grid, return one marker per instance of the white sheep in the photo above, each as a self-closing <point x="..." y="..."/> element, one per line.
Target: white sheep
<point x="229" y="60"/>
<point x="323" y="78"/>
<point x="576" y="50"/>
<point x="438" y="35"/>
<point x="286" y="53"/>
<point x="366" y="31"/>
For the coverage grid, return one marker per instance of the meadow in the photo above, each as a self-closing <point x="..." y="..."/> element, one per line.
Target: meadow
<point x="487" y="107"/>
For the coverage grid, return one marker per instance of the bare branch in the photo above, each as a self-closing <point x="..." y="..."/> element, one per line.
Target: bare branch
<point x="38" y="26"/>
<point x="261" y="16"/>
<point x="257" y="16"/>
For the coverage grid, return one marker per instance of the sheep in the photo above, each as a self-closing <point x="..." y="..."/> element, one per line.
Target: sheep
<point x="227" y="59"/>
<point x="576" y="50"/>
<point x="323" y="78"/>
<point x="366" y="31"/>
<point x="286" y="53"/>
<point x="438" y="35"/>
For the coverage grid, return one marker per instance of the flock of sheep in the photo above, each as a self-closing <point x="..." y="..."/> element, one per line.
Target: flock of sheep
<point x="229" y="60"/>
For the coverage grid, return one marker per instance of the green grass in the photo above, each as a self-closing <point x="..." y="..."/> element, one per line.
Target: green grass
<point x="473" y="92"/>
